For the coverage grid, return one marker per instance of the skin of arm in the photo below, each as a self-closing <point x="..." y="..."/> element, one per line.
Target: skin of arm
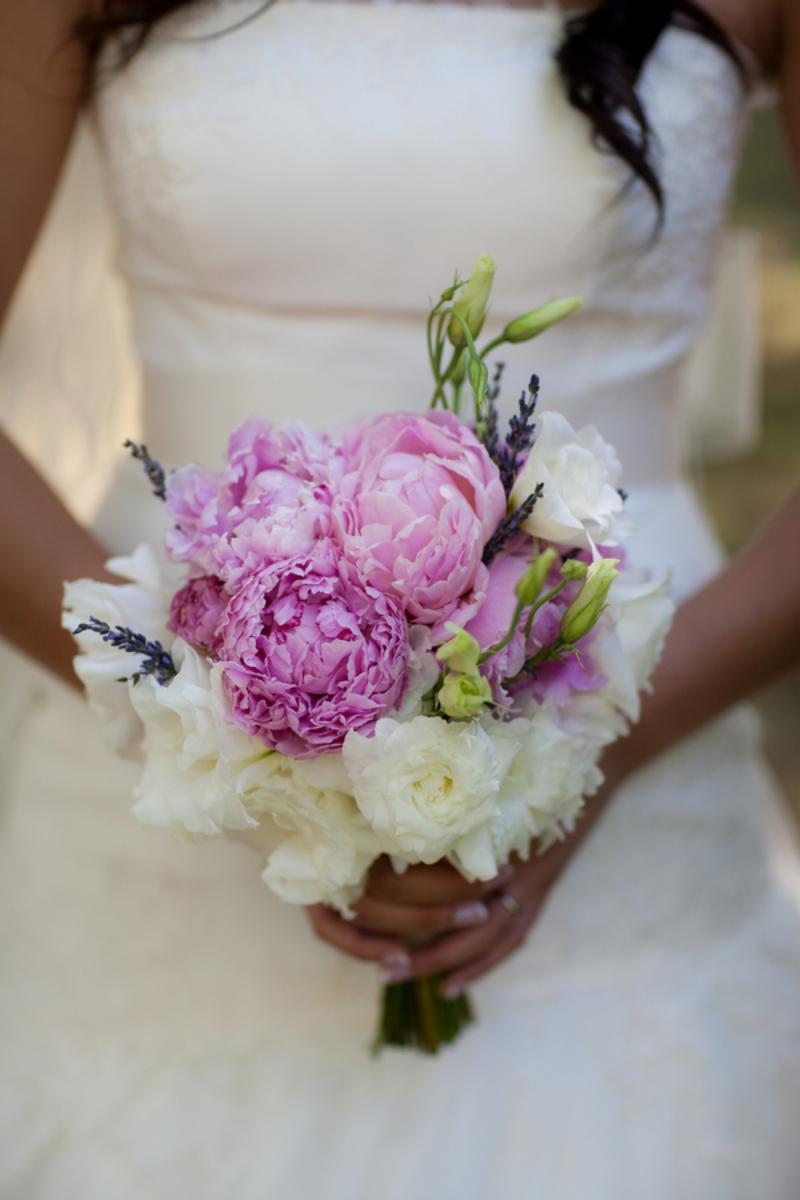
<point x="41" y="82"/>
<point x="735" y="635"/>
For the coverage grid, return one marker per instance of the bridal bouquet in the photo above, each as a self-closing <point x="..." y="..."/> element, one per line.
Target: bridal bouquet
<point x="413" y="640"/>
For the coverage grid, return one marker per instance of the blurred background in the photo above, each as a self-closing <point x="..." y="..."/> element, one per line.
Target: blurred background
<point x="741" y="490"/>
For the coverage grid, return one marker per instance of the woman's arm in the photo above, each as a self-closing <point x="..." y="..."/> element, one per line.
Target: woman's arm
<point x="41" y="82"/>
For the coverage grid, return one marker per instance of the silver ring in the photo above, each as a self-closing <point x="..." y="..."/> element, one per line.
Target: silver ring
<point x="511" y="904"/>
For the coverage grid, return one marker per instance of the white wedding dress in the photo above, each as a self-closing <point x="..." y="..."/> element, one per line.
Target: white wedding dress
<point x="289" y="196"/>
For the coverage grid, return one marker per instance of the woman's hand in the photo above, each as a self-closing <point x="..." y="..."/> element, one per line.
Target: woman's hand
<point x="430" y="921"/>
<point x="399" y="911"/>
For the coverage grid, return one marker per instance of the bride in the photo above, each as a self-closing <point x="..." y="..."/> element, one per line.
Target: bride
<point x="289" y="181"/>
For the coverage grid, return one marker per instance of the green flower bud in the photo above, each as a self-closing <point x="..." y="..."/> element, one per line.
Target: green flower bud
<point x="530" y="585"/>
<point x="459" y="370"/>
<point x="479" y="381"/>
<point x="462" y="652"/>
<point x="473" y="301"/>
<point x="573" y="569"/>
<point x="464" y="696"/>
<point x="533" y="323"/>
<point x="585" y="610"/>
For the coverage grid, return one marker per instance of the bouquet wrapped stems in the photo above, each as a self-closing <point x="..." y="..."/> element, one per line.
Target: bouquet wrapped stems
<point x="417" y="1013"/>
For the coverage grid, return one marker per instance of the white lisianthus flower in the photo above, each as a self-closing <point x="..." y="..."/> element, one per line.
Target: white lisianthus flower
<point x="325" y="847"/>
<point x="542" y="791"/>
<point x="629" y="641"/>
<point x="644" y="609"/>
<point x="580" y="504"/>
<point x="423" y="785"/>
<point x="193" y="755"/>
<point x="143" y="605"/>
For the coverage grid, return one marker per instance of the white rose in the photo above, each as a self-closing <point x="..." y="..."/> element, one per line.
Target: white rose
<point x="192" y="753"/>
<point x="542" y="791"/>
<point x="580" y="504"/>
<point x="142" y="605"/>
<point x="327" y="847"/>
<point x="424" y="784"/>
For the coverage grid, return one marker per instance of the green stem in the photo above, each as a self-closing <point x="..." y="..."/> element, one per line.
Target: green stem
<point x="417" y="1013"/>
<point x="490" y="346"/>
<point x="501" y="645"/>
<point x="542" y="600"/>
<point x="438" y="393"/>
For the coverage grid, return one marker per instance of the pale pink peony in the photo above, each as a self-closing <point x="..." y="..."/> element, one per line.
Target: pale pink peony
<point x="196" y="610"/>
<point x="280" y="478"/>
<point x="269" y="465"/>
<point x="311" y="651"/>
<point x="419" y="500"/>
<point x="192" y="501"/>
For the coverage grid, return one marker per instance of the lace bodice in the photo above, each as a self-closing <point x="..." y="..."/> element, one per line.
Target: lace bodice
<point x="291" y="193"/>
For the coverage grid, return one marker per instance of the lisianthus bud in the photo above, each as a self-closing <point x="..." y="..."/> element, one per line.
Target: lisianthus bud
<point x="534" y="579"/>
<point x="586" y="608"/>
<point x="464" y="696"/>
<point x="573" y="569"/>
<point x="462" y="652"/>
<point x="479" y="381"/>
<point x="522" y="329"/>
<point x="473" y="301"/>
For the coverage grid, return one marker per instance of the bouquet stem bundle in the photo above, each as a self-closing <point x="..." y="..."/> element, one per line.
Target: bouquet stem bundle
<point x="417" y="1013"/>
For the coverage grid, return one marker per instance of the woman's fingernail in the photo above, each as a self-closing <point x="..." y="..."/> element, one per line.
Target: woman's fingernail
<point x="471" y="914"/>
<point x="396" y="968"/>
<point x="505" y="875"/>
<point x="451" y="991"/>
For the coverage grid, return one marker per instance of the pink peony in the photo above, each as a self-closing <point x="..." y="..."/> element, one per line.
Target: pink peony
<point x="196" y="610"/>
<point x="282" y="479"/>
<point x="311" y="651"/>
<point x="193" y="503"/>
<point x="271" y="465"/>
<point x="418" y="503"/>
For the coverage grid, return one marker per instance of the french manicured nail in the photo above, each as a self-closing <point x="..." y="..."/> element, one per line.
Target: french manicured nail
<point x="396" y="968"/>
<point x="471" y="914"/>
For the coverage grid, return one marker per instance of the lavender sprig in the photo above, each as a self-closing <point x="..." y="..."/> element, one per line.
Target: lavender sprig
<point x="152" y="469"/>
<point x="490" y="434"/>
<point x="511" y="526"/>
<point x="156" y="660"/>
<point x="521" y="431"/>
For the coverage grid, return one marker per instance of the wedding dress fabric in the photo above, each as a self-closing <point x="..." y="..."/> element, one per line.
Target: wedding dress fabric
<point x="289" y="195"/>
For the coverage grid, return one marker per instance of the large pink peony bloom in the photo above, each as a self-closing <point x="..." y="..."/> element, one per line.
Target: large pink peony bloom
<point x="418" y="503"/>
<point x="280" y="478"/>
<point x="311" y="651"/>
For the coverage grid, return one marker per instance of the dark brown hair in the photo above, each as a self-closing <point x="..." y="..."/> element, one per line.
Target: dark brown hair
<point x="600" y="59"/>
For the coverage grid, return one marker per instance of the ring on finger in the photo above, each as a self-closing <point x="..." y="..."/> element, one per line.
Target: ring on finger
<point x="511" y="905"/>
